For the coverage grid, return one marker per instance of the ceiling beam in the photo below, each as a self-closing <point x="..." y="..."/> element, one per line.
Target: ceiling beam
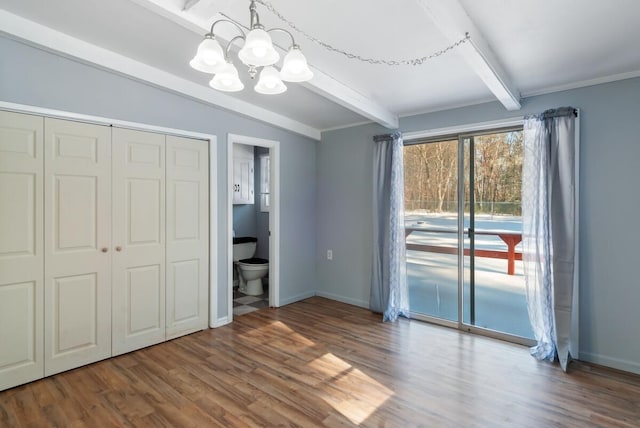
<point x="454" y="22"/>
<point x="188" y="4"/>
<point x="322" y="84"/>
<point x="328" y="87"/>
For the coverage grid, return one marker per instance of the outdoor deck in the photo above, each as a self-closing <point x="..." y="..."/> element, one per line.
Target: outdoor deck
<point x="500" y="301"/>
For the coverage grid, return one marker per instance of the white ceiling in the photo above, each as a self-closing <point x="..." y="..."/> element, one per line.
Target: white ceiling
<point x="517" y="47"/>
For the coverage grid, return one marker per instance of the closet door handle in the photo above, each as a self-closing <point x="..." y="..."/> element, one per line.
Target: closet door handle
<point x="104" y="249"/>
<point x="118" y="248"/>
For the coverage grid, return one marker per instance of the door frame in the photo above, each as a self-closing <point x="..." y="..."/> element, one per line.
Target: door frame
<point x="469" y="327"/>
<point x="213" y="177"/>
<point x="274" y="217"/>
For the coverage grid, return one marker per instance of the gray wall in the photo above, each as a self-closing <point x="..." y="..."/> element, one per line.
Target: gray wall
<point x="35" y="77"/>
<point x="244" y="220"/>
<point x="609" y="205"/>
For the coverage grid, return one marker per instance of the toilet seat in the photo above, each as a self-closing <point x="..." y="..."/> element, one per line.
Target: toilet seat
<point x="254" y="261"/>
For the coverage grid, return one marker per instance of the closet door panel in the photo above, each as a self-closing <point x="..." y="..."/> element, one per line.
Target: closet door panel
<point x="17" y="223"/>
<point x="21" y="249"/>
<point x="74" y="207"/>
<point x="187" y="235"/>
<point x="138" y="239"/>
<point x="75" y="302"/>
<point x="77" y="218"/>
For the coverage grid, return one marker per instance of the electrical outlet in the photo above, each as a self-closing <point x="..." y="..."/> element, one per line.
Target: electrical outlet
<point x="329" y="254"/>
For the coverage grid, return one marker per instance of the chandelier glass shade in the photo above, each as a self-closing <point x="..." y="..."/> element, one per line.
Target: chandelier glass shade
<point x="209" y="57"/>
<point x="257" y="51"/>
<point x="226" y="79"/>
<point x="270" y="82"/>
<point x="294" y="66"/>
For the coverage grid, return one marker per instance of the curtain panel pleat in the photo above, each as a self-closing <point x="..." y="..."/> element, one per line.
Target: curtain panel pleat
<point x="389" y="289"/>
<point x="549" y="221"/>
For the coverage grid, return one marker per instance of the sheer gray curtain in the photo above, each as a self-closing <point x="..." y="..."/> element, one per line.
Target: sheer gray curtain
<point x="549" y="239"/>
<point x="389" y="289"/>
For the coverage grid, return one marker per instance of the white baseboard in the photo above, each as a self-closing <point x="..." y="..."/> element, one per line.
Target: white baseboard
<point x="220" y="322"/>
<point x="348" y="300"/>
<point x="615" y="363"/>
<point x="297" y="298"/>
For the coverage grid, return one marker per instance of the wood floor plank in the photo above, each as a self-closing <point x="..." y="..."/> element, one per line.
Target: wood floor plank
<point x="324" y="363"/>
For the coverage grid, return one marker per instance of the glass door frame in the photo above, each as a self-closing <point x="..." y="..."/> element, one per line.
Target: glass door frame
<point x="462" y="269"/>
<point x="460" y="324"/>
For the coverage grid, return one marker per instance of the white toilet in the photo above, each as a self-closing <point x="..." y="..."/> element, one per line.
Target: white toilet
<point x="251" y="270"/>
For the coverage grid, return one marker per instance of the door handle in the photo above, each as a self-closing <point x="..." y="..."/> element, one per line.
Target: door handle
<point x="470" y="232"/>
<point x="118" y="248"/>
<point x="104" y="249"/>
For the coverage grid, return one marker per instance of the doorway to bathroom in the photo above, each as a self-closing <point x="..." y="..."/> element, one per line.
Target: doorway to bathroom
<point x="253" y="224"/>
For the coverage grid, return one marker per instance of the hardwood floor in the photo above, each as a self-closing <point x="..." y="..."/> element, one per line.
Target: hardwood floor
<point x="320" y="362"/>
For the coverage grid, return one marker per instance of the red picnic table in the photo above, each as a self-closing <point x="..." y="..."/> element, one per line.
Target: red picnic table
<point x="508" y="237"/>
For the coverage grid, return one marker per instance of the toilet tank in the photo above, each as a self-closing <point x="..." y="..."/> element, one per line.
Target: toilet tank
<point x="244" y="247"/>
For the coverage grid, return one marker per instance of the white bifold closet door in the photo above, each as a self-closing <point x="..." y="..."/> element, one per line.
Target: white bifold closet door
<point x="104" y="236"/>
<point x="77" y="224"/>
<point x="160" y="262"/>
<point x="21" y="252"/>
<point x="138" y="239"/>
<point x="187" y="235"/>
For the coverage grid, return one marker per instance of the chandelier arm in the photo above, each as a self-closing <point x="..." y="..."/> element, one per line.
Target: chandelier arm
<point x="228" y="48"/>
<point x="282" y="30"/>
<point x="210" y="33"/>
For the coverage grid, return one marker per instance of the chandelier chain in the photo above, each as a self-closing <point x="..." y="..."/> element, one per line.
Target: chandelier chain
<point x="376" y="61"/>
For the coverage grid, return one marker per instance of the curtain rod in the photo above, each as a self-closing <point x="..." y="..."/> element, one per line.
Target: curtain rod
<point x="555" y="112"/>
<point x="562" y="111"/>
<point x="387" y="137"/>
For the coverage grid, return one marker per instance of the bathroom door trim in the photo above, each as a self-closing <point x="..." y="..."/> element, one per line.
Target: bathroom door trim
<point x="274" y="217"/>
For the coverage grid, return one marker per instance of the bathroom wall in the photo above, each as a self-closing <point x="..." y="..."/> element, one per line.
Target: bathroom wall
<point x="244" y="220"/>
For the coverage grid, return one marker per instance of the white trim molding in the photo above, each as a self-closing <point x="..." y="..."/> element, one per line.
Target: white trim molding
<point x="297" y="298"/>
<point x="274" y="217"/>
<point x="581" y="84"/>
<point x="616" y="363"/>
<point x="462" y="129"/>
<point x="347" y="300"/>
<point x="220" y="322"/>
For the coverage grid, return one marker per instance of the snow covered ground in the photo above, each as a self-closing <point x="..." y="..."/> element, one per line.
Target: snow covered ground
<point x="500" y="301"/>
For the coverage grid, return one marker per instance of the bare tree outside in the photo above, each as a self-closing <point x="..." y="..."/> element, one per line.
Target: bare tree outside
<point x="431" y="172"/>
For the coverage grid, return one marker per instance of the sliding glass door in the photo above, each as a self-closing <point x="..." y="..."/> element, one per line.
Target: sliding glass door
<point x="464" y="226"/>
<point x="431" y="226"/>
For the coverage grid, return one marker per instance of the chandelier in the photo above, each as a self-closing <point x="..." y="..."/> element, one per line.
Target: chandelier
<point x="257" y="51"/>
